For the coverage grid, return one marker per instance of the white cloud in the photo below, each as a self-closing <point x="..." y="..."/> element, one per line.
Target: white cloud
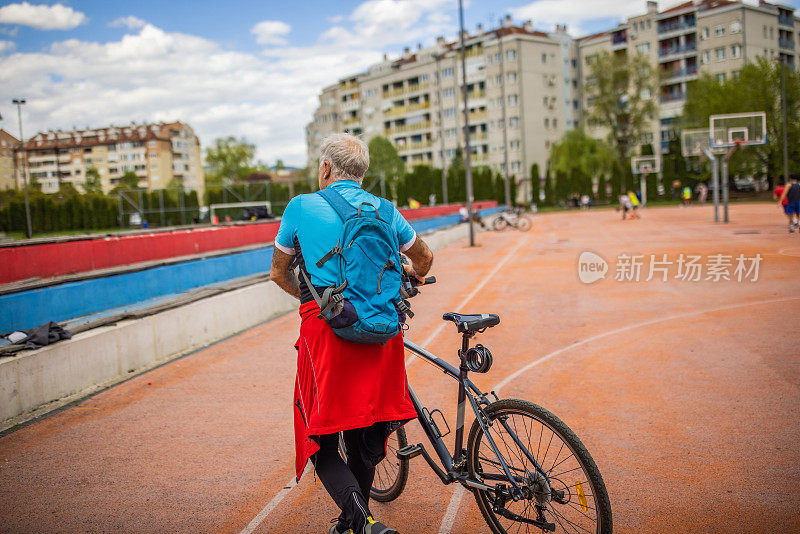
<point x="151" y="74"/>
<point x="6" y="46"/>
<point x="271" y="32"/>
<point x="576" y="13"/>
<point x="42" y="17"/>
<point x="130" y="22"/>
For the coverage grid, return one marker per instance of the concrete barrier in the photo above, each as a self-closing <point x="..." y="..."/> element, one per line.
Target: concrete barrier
<point x="36" y="382"/>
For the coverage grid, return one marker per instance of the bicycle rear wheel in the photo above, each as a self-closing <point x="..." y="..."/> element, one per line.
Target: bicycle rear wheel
<point x="499" y="223"/>
<point x="575" y="499"/>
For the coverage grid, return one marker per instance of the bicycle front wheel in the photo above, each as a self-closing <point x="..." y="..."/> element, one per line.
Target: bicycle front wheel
<point x="574" y="499"/>
<point x="523" y="224"/>
<point x="499" y="224"/>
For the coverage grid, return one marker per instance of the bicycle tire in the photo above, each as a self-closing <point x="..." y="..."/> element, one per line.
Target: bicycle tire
<point x="499" y="224"/>
<point x="393" y="491"/>
<point x="523" y="224"/>
<point x="508" y="407"/>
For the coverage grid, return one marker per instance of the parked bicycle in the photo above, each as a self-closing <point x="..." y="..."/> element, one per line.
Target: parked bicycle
<point x="513" y="218"/>
<point x="525" y="467"/>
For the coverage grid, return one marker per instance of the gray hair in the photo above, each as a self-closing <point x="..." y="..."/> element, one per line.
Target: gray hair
<point x="347" y="155"/>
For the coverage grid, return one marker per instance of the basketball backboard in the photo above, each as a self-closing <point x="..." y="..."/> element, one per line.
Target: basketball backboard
<point x="694" y="142"/>
<point x="738" y="129"/>
<point x="645" y="164"/>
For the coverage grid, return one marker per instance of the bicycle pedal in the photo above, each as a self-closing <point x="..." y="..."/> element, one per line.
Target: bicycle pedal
<point x="409" y="451"/>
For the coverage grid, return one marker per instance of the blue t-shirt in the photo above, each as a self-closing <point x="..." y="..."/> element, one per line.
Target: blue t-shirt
<point x="310" y="226"/>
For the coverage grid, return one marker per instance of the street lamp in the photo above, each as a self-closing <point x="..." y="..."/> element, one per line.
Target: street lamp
<point x="468" y="165"/>
<point x="19" y="102"/>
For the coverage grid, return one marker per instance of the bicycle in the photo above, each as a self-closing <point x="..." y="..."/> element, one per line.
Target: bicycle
<point x="512" y="487"/>
<point x="512" y="218"/>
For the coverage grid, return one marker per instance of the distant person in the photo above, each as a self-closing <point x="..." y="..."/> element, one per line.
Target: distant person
<point x="624" y="205"/>
<point x="676" y="188"/>
<point x="413" y="203"/>
<point x="791" y="193"/>
<point x="687" y="195"/>
<point x="778" y="195"/>
<point x="634" y="202"/>
<point x="585" y="202"/>
<point x="703" y="193"/>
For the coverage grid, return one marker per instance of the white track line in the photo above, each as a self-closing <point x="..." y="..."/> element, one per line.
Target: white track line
<point x="471" y="295"/>
<point x="257" y="520"/>
<point x="269" y="507"/>
<point x="452" y="508"/>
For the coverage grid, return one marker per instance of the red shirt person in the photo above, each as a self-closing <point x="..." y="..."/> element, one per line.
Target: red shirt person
<point x="357" y="389"/>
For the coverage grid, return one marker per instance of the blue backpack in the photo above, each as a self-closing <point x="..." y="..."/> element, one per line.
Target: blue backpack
<point x="365" y="304"/>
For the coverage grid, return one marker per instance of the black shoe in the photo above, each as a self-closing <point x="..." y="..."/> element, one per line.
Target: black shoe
<point x="338" y="528"/>
<point x="374" y="527"/>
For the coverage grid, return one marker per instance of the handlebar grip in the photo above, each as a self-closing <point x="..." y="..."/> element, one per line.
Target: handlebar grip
<point x="430" y="280"/>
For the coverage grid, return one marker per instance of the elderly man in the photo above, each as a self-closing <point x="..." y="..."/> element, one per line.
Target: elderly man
<point x="357" y="389"/>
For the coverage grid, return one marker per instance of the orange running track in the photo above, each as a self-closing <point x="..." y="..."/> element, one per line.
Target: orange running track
<point x="686" y="394"/>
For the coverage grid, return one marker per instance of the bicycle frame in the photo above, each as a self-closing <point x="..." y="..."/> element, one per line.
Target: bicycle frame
<point x="455" y="465"/>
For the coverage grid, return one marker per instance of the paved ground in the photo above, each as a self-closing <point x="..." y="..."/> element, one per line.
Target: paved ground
<point x="686" y="394"/>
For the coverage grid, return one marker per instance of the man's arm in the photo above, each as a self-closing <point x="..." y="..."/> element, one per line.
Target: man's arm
<point x="783" y="193"/>
<point x="421" y="258"/>
<point x="281" y="275"/>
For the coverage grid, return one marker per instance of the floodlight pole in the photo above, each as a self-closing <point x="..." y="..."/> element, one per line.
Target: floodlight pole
<point x="467" y="151"/>
<point x="725" y="159"/>
<point x="19" y="102"/>
<point x="715" y="179"/>
<point x="785" y="143"/>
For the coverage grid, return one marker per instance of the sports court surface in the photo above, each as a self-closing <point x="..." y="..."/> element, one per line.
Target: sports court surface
<point x="686" y="393"/>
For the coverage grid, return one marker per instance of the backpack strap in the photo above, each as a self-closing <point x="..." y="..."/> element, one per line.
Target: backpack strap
<point x="342" y="207"/>
<point x="331" y="297"/>
<point x="385" y="211"/>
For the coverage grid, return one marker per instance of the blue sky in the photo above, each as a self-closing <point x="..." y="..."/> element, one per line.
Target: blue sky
<point x="247" y="68"/>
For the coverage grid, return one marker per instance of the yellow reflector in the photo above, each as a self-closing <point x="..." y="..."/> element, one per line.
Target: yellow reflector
<point x="581" y="496"/>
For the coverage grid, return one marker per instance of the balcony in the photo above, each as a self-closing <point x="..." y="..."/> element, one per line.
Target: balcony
<point x="421" y="145"/>
<point x="424" y="125"/>
<point x="475" y="51"/>
<point x="349" y="86"/>
<point x="680" y="73"/>
<point x="619" y="40"/>
<point x="480" y="93"/>
<point x="668" y="53"/>
<point x="479" y="158"/>
<point x="786" y="20"/>
<point x="391" y="93"/>
<point x="479" y="136"/>
<point x="786" y="44"/>
<point x="408" y="108"/>
<point x="350" y="120"/>
<point x="671" y="27"/>
<point x="477" y="115"/>
<point x="672" y="97"/>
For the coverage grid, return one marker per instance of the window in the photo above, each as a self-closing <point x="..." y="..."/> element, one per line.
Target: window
<point x="736" y="26"/>
<point x="765" y="31"/>
<point x="719" y="30"/>
<point x="151" y="144"/>
<point x="547" y="122"/>
<point x="450" y="112"/>
<point x="514" y="145"/>
<point x="736" y="51"/>
<point x="544" y="58"/>
<point x="450" y="132"/>
<point x="555" y="123"/>
<point x="720" y="54"/>
<point x="771" y="32"/>
<point x="424" y="78"/>
<point x="705" y="33"/>
<point x="511" y="55"/>
<point x="447" y="73"/>
<point x="545" y="101"/>
<point x="515" y="166"/>
<point x="706" y="57"/>
<point x="499" y="102"/>
<point x="643" y="48"/>
<point x="498" y="80"/>
<point x="512" y="77"/>
<point x="513" y="122"/>
<point x="498" y="58"/>
<point x="721" y="77"/>
<point x="649" y="24"/>
<point x="448" y="92"/>
<point x="512" y="100"/>
<point x="591" y="59"/>
<point x="735" y="74"/>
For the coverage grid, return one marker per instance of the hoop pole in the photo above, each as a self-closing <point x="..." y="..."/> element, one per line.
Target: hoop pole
<point x="643" y="187"/>
<point x="715" y="179"/>
<point x="725" y="159"/>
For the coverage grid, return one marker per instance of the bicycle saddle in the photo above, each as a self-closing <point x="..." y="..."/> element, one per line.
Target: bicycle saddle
<point x="473" y="322"/>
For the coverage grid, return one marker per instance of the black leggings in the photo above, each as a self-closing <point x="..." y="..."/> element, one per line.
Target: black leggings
<point x="349" y="483"/>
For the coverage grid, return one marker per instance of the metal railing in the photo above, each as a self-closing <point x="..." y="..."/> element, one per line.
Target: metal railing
<point x="348" y="86"/>
<point x="675" y="26"/>
<point x="410" y="88"/>
<point x="786" y="44"/>
<point x="351" y="120"/>
<point x="677" y="73"/>
<point x="673" y="50"/>
<point x="408" y="108"/>
<point x="420" y="145"/>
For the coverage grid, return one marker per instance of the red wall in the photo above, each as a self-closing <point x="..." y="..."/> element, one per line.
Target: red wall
<point x="55" y="259"/>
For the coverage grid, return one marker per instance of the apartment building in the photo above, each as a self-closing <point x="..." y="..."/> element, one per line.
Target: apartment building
<point x="521" y="94"/>
<point x="158" y="153"/>
<point x="701" y="36"/>
<point x="8" y="147"/>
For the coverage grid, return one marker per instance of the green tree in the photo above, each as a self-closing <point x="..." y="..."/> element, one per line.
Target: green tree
<point x="535" y="184"/>
<point x="757" y="88"/>
<point x="91" y="183"/>
<point x="279" y="165"/>
<point x="129" y="180"/>
<point x="384" y="159"/>
<point x="580" y="161"/>
<point x="622" y="91"/>
<point x="229" y="160"/>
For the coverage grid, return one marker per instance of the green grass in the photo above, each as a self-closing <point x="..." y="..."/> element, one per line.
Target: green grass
<point x="21" y="235"/>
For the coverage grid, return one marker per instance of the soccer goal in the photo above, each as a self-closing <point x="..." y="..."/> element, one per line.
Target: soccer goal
<point x="215" y="208"/>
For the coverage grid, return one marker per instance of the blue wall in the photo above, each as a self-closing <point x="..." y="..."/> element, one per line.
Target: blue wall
<point x="27" y="309"/>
